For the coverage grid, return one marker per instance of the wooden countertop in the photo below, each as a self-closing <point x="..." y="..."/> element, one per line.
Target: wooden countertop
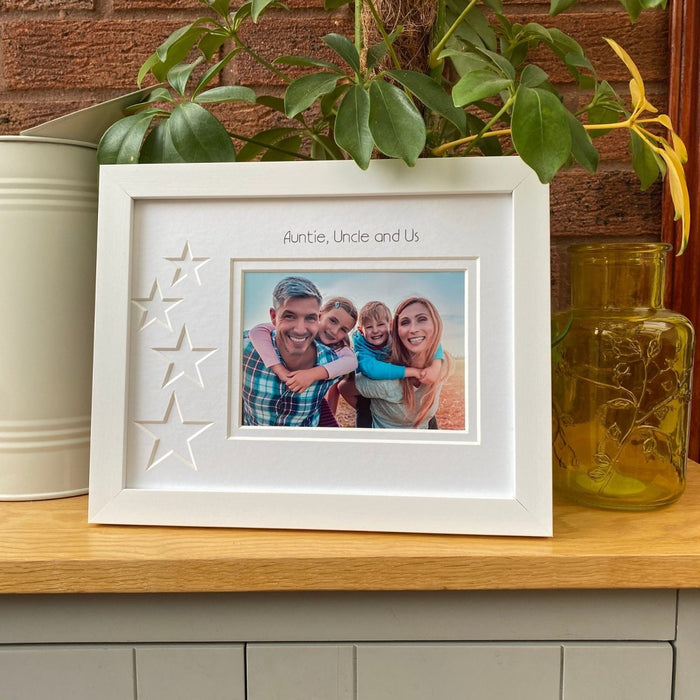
<point x="48" y="547"/>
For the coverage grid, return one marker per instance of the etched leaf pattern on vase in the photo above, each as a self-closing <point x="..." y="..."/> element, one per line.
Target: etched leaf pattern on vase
<point x="621" y="390"/>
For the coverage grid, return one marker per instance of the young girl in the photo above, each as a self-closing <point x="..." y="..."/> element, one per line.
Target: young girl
<point x="337" y="317"/>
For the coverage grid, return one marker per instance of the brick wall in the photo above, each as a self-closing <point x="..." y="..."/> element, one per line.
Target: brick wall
<point x="60" y="55"/>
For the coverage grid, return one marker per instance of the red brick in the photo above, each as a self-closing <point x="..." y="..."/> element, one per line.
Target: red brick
<point x="19" y="115"/>
<point x="78" y="54"/>
<point x="607" y="203"/>
<point x="646" y="41"/>
<point x="194" y="4"/>
<point x="38" y="5"/>
<point x="291" y="35"/>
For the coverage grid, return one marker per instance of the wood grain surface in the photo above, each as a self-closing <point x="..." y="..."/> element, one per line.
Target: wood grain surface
<point x="48" y="547"/>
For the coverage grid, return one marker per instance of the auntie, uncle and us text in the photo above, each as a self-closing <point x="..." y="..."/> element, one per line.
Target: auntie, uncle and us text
<point x="314" y="237"/>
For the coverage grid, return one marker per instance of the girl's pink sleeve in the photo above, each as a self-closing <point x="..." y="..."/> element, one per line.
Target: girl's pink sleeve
<point x="261" y="338"/>
<point x="346" y="363"/>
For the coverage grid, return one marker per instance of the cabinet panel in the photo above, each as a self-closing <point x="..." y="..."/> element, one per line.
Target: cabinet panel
<point x="300" y="672"/>
<point x="464" y="671"/>
<point x="339" y="617"/>
<point x="68" y="673"/>
<point x="688" y="646"/>
<point x="185" y="672"/>
<point x="618" y="671"/>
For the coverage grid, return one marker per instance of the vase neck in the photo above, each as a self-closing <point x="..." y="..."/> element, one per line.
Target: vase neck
<point x="618" y="275"/>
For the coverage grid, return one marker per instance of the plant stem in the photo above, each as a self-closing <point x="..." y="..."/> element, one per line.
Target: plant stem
<point x="385" y="36"/>
<point x="484" y="133"/>
<point x="259" y="59"/>
<point x="433" y="60"/>
<point x="438" y="27"/>
<point x="440" y="150"/>
<point x="269" y="146"/>
<point x="358" y="26"/>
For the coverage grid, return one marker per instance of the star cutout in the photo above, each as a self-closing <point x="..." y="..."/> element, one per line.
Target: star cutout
<point x="173" y="436"/>
<point x="184" y="361"/>
<point x="187" y="266"/>
<point x="156" y="308"/>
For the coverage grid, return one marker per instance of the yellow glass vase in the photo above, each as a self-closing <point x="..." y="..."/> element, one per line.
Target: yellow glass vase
<point x="621" y="381"/>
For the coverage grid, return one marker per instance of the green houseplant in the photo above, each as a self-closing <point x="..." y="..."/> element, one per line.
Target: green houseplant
<point x="478" y="89"/>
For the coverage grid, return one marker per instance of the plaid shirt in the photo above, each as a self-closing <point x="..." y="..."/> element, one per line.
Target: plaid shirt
<point x="268" y="401"/>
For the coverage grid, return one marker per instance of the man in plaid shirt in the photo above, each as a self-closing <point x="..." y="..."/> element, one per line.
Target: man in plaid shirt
<point x="266" y="399"/>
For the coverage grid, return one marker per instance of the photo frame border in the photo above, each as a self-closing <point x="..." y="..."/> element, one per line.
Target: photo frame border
<point x="528" y="512"/>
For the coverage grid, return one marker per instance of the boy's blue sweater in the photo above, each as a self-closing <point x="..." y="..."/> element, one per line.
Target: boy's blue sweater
<point x="373" y="361"/>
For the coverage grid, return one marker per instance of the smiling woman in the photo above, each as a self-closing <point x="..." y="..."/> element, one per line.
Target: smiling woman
<point x="413" y="401"/>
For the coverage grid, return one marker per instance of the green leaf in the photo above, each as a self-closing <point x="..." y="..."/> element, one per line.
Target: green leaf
<point x="175" y="49"/>
<point x="307" y="61"/>
<point x="303" y="92"/>
<point x="335" y="4"/>
<point x="582" y="147"/>
<point x="465" y="62"/>
<point x="557" y="6"/>
<point x="180" y="74"/>
<point x="540" y="131"/>
<point x="345" y="49"/>
<point x="488" y="146"/>
<point x="536" y="32"/>
<point x="210" y="74"/>
<point x="432" y="95"/>
<point x="606" y="109"/>
<point x="376" y="52"/>
<point x="644" y="161"/>
<point x="473" y="30"/>
<point x="241" y="14"/>
<point x="259" y="6"/>
<point x="211" y="42"/>
<point x="396" y="124"/>
<point x="121" y="143"/>
<point x="478" y="85"/>
<point x="198" y="136"/>
<point x="148" y="65"/>
<point x="324" y="148"/>
<point x="477" y="21"/>
<point x="501" y="63"/>
<point x="262" y="141"/>
<point x="286" y="149"/>
<point x="226" y="93"/>
<point x="352" y="131"/>
<point x="158" y="95"/>
<point x="182" y="36"/>
<point x="221" y="7"/>
<point x="271" y="102"/>
<point x="533" y="76"/>
<point x="328" y="101"/>
<point x="158" y="146"/>
<point x="633" y="7"/>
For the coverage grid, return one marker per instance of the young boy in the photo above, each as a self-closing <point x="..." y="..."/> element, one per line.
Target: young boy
<point x="372" y="345"/>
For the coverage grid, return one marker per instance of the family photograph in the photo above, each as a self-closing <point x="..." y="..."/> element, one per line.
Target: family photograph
<point x="354" y="350"/>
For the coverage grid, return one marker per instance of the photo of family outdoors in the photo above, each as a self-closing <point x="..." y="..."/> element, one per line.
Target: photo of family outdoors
<point x="345" y="349"/>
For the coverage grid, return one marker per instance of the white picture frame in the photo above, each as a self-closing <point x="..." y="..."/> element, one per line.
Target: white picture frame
<point x="180" y="249"/>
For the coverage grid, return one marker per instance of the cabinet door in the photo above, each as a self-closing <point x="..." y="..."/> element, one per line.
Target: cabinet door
<point x="300" y="672"/>
<point x="618" y="671"/>
<point x="176" y="672"/>
<point x="66" y="673"/>
<point x="458" y="671"/>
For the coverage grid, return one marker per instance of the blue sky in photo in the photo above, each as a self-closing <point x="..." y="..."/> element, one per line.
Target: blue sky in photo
<point x="445" y="289"/>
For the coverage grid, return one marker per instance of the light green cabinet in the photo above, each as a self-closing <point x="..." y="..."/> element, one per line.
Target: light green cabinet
<point x="557" y="645"/>
<point x="66" y="673"/>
